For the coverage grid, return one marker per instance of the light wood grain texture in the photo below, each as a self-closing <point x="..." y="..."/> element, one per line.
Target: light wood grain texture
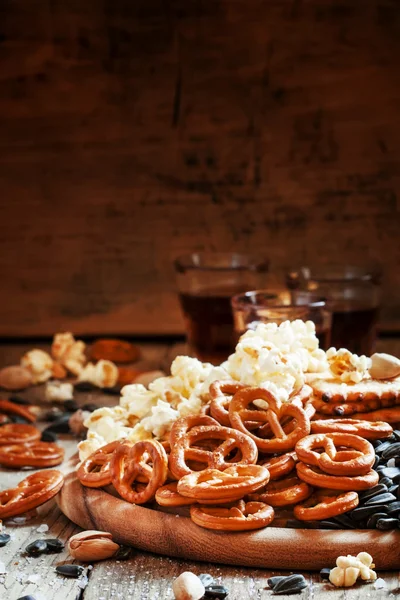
<point x="178" y="536"/>
<point x="134" y="131"/>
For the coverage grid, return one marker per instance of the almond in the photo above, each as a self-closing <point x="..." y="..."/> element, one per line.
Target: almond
<point x="92" y="545"/>
<point x="384" y="366"/>
<point x="15" y="378"/>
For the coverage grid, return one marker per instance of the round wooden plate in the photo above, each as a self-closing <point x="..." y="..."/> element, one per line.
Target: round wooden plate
<point x="171" y="535"/>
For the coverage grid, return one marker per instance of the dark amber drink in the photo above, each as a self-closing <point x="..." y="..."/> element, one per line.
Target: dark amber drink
<point x="209" y="324"/>
<point x="206" y="282"/>
<point x="353" y="293"/>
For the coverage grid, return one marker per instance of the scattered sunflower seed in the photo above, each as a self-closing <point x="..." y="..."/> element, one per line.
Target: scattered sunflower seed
<point x="54" y="545"/>
<point x="4" y="539"/>
<point x="70" y="570"/>
<point x="293" y="584"/>
<point x="49" y="436"/>
<point x="36" y="548"/>
<point x="216" y="591"/>
<point x="206" y="579"/>
<point x="324" y="573"/>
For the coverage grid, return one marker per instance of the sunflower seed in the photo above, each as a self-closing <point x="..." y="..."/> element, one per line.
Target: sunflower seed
<point x="206" y="579"/>
<point x="392" y="452"/>
<point x="385" y="524"/>
<point x="54" y="545"/>
<point x="90" y="407"/>
<point x="36" y="548"/>
<point x="393" y="473"/>
<point x="345" y="521"/>
<point x="324" y="573"/>
<point x="124" y="553"/>
<point x="216" y="591"/>
<point x="363" y="512"/>
<point x="112" y="391"/>
<point x="396" y="435"/>
<point x="4" y="539"/>
<point x="377" y="489"/>
<point x="19" y="400"/>
<point x="70" y="570"/>
<point x="329" y="525"/>
<point x="60" y="426"/>
<point x="49" y="436"/>
<point x="27" y="597"/>
<point x="386" y="481"/>
<point x="382" y="447"/>
<point x="273" y="581"/>
<point x="372" y="521"/>
<point x="385" y="498"/>
<point x="394" y="509"/>
<point x="84" y="386"/>
<point x="70" y="405"/>
<point x="293" y="584"/>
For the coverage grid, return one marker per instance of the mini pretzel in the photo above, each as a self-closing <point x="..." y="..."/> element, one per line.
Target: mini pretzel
<point x="254" y="515"/>
<point x="366" y="429"/>
<point x="30" y="493"/>
<point x="317" y="478"/>
<point x="145" y="459"/>
<point x="220" y="392"/>
<point x="215" y="457"/>
<point x="279" y="466"/>
<point x="234" y="481"/>
<point x="10" y="408"/>
<point x="18" y="434"/>
<point x="167" y="495"/>
<point x="321" y="506"/>
<point x="329" y="460"/>
<point x="95" y="471"/>
<point x="36" y="454"/>
<point x="284" y="492"/>
<point x="239" y="414"/>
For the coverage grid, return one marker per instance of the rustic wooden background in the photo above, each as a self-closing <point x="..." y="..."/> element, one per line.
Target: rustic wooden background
<point x="131" y="131"/>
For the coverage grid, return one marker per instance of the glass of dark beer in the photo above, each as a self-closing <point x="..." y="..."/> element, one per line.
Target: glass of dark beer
<point x="206" y="282"/>
<point x="262" y="306"/>
<point x="353" y="292"/>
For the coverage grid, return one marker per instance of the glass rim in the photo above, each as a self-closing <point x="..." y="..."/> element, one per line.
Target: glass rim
<point x="206" y="261"/>
<point x="338" y="273"/>
<point x="239" y="301"/>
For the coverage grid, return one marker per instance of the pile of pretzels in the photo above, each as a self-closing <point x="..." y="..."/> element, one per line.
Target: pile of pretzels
<point x="247" y="462"/>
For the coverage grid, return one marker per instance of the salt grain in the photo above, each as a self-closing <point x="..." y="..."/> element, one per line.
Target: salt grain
<point x="34" y="578"/>
<point x="380" y="584"/>
<point x="42" y="528"/>
<point x="2" y="567"/>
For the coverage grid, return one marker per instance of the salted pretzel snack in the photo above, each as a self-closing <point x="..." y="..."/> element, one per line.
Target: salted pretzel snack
<point x="30" y="493"/>
<point x="317" y="478"/>
<point x="35" y="454"/>
<point x="146" y="459"/>
<point x="217" y="457"/>
<point x="16" y="433"/>
<point x="221" y="393"/>
<point x="284" y="492"/>
<point x="212" y="484"/>
<point x="95" y="471"/>
<point x="239" y="413"/>
<point x="245" y="516"/>
<point x="279" y="466"/>
<point x="368" y="430"/>
<point x="10" y="408"/>
<point x="333" y="462"/>
<point x="390" y="415"/>
<point x="167" y="495"/>
<point x="322" y="505"/>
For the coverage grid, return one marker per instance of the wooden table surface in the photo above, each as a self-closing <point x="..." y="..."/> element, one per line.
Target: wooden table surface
<point x="144" y="576"/>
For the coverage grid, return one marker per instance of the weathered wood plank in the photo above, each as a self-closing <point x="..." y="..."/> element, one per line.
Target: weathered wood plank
<point x="132" y="132"/>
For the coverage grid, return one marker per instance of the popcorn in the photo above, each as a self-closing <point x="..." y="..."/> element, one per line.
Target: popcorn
<point x="350" y="568"/>
<point x="161" y="419"/>
<point x="102" y="374"/>
<point x="69" y="352"/>
<point x="57" y="391"/>
<point x="93" y="442"/>
<point x="39" y="363"/>
<point x="348" y="367"/>
<point x="272" y="356"/>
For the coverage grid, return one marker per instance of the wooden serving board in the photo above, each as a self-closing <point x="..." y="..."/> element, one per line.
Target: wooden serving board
<point x="178" y="536"/>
